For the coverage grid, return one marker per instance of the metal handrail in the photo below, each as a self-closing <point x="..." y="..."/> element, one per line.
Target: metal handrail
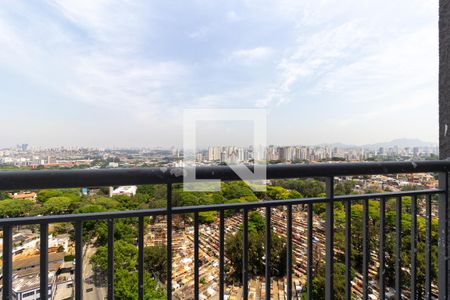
<point x="40" y="179"/>
<point x="13" y="180"/>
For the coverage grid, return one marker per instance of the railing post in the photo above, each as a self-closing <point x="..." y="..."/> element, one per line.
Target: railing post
<point x="245" y="256"/>
<point x="141" y="233"/>
<point x="443" y="234"/>
<point x="329" y="239"/>
<point x="7" y="263"/>
<point x="169" y="241"/>
<point x="309" y="270"/>
<point x="110" y="259"/>
<point x="78" y="260"/>
<point x="196" y="258"/>
<point x="267" y="249"/>
<point x="289" y="254"/>
<point x="444" y="118"/>
<point x="222" y="256"/>
<point x="43" y="249"/>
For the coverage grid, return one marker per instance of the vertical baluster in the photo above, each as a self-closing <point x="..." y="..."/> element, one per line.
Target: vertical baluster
<point x="111" y="259"/>
<point x="413" y="246"/>
<point x="7" y="262"/>
<point x="365" y="269"/>
<point x="78" y="260"/>
<point x="398" y="249"/>
<point x="443" y="235"/>
<point x="309" y="268"/>
<point x="382" y="246"/>
<point x="289" y="253"/>
<point x="329" y="237"/>
<point x="196" y="241"/>
<point x="348" y="249"/>
<point x="245" y="257"/>
<point x="141" y="258"/>
<point x="267" y="250"/>
<point x="169" y="241"/>
<point x="428" y="248"/>
<point x="222" y="256"/>
<point x="43" y="251"/>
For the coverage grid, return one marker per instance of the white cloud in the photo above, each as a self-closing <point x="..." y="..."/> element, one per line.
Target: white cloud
<point x="138" y="88"/>
<point x="314" y="55"/>
<point x="103" y="70"/>
<point x="251" y="55"/>
<point x="200" y="33"/>
<point x="116" y="23"/>
<point x="232" y="16"/>
<point x="362" y="60"/>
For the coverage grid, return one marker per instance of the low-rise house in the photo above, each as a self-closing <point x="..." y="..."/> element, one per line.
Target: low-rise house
<point x="24" y="196"/>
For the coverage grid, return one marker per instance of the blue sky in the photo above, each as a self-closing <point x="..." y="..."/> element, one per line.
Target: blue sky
<point x="110" y="73"/>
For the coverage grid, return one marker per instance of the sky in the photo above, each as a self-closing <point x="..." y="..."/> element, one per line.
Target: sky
<point x="119" y="73"/>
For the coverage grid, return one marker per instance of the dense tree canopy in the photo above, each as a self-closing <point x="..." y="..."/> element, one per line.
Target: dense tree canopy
<point x="4" y="196"/>
<point x="155" y="261"/>
<point x="256" y="232"/>
<point x="57" y="205"/>
<point x="125" y="275"/>
<point x="16" y="208"/>
<point x="307" y="187"/>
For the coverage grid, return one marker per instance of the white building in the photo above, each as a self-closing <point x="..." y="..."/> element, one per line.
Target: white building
<point x="214" y="153"/>
<point x="124" y="190"/>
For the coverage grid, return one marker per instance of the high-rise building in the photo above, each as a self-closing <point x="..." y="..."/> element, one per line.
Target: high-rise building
<point x="214" y="153"/>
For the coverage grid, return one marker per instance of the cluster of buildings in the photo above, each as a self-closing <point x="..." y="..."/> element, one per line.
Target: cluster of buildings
<point x="77" y="157"/>
<point x="231" y="154"/>
<point x="23" y="156"/>
<point x="26" y="266"/>
<point x="235" y="155"/>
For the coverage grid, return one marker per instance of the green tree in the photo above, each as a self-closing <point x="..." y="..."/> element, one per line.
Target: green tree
<point x="147" y="189"/>
<point x="4" y="196"/>
<point x="126" y="286"/>
<point x="44" y="195"/>
<point x="256" y="233"/>
<point x="16" y="208"/>
<point x="57" y="205"/>
<point x="125" y="275"/>
<point x="107" y="203"/>
<point x="155" y="261"/>
<point x="307" y="187"/>
<point x="124" y="229"/>
<point x="274" y="193"/>
<point x="344" y="187"/>
<point x="236" y="189"/>
<point x="89" y="227"/>
<point x="318" y="284"/>
<point x="207" y="217"/>
<point x="125" y="257"/>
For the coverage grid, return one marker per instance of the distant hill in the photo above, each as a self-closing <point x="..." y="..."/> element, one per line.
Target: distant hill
<point x="338" y="145"/>
<point x="402" y="143"/>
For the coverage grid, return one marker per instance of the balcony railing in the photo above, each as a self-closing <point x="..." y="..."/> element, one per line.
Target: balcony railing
<point x="170" y="176"/>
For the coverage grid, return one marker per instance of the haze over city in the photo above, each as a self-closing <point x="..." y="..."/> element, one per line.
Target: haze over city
<point x="78" y="73"/>
<point x="224" y="150"/>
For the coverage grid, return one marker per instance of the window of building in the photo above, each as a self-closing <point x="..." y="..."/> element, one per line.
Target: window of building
<point x="28" y="294"/>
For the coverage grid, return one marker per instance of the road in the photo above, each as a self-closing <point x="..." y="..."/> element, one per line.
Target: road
<point x="95" y="292"/>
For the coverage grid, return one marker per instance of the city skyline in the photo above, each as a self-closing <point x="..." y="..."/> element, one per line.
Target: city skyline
<point x="400" y="143"/>
<point x="104" y="73"/>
